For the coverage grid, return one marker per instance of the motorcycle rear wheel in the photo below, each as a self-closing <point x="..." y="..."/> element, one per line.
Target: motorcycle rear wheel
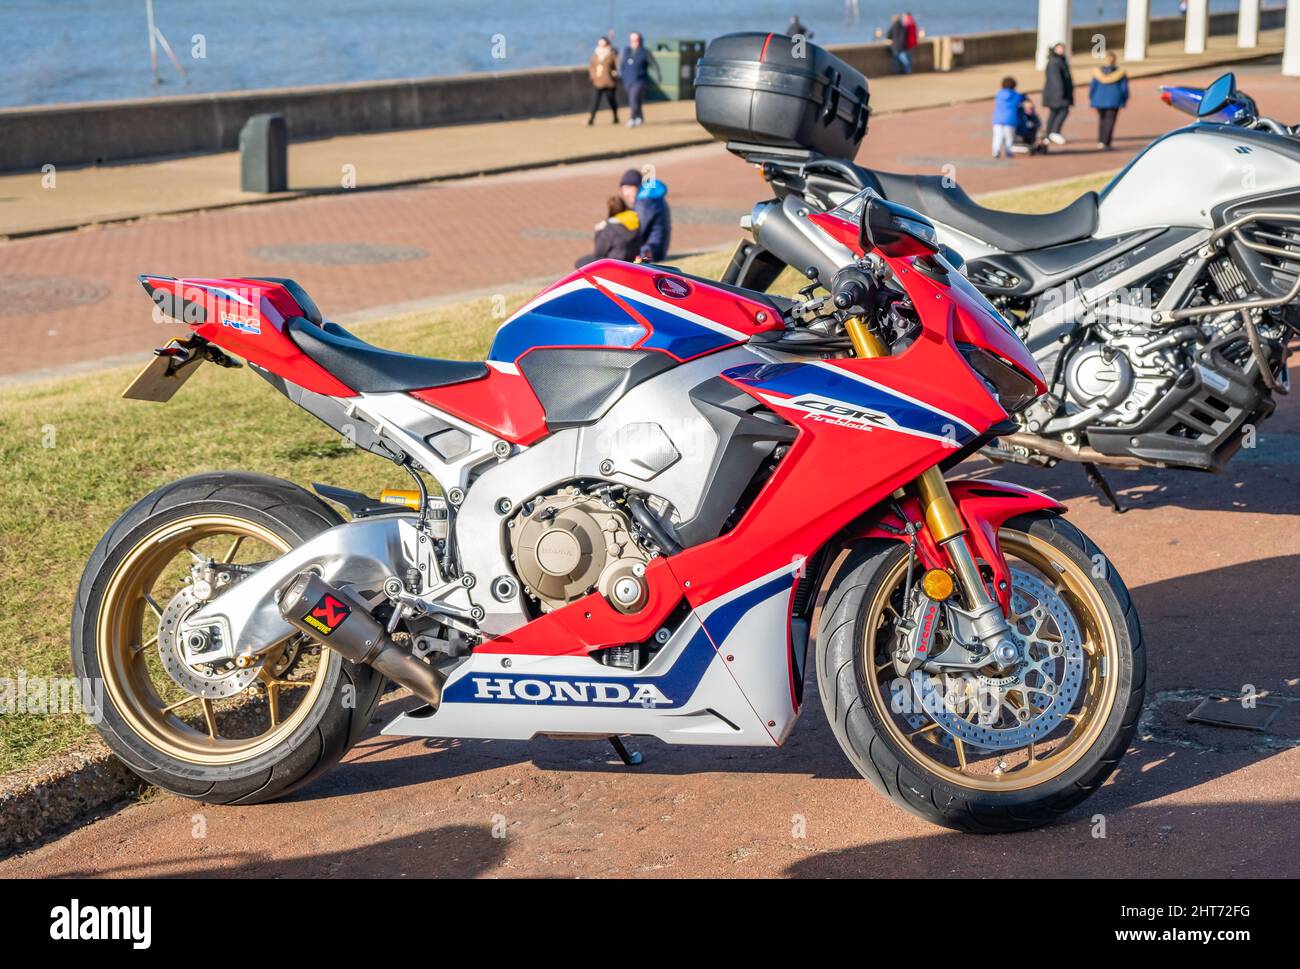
<point x="917" y="761"/>
<point x="270" y="730"/>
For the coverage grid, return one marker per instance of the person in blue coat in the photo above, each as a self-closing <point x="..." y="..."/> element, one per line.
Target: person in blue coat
<point x="635" y="70"/>
<point x="1107" y="93"/>
<point x="649" y="197"/>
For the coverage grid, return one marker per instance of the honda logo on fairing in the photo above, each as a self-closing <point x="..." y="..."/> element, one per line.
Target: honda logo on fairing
<point x="673" y="287"/>
<point x="568" y="691"/>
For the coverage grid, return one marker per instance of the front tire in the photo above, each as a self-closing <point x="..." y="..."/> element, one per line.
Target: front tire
<point x="923" y="765"/>
<point x="218" y="736"/>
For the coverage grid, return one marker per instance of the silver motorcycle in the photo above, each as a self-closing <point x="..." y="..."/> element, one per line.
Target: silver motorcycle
<point x="1160" y="308"/>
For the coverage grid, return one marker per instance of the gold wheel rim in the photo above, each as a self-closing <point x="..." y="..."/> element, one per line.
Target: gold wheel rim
<point x="124" y="645"/>
<point x="1086" y="719"/>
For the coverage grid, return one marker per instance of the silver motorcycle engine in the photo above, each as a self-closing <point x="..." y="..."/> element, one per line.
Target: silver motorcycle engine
<point x="1115" y="379"/>
<point x="572" y="542"/>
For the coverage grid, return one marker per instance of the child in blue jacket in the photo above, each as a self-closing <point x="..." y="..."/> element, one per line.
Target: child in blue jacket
<point x="1006" y="115"/>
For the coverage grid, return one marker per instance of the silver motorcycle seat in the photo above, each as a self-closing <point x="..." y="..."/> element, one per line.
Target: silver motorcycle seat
<point x="1008" y="231"/>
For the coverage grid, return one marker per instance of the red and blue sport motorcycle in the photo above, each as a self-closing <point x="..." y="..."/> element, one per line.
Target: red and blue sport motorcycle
<point x="654" y="496"/>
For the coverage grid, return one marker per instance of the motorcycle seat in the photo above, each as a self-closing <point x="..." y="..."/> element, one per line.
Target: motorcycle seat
<point x="369" y="369"/>
<point x="1008" y="231"/>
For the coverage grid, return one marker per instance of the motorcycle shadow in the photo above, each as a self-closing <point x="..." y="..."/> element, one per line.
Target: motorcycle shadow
<point x="382" y="763"/>
<point x="1263" y="481"/>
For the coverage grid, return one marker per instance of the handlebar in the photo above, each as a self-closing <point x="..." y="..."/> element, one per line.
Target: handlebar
<point x="852" y="290"/>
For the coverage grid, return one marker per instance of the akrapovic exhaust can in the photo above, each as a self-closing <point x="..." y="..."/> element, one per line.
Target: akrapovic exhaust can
<point x="330" y="616"/>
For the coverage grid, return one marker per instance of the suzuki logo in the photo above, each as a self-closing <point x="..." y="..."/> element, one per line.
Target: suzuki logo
<point x="1242" y="149"/>
<point x="568" y="691"/>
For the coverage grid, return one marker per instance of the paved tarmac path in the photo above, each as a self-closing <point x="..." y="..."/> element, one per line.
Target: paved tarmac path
<point x="1213" y="563"/>
<point x="72" y="299"/>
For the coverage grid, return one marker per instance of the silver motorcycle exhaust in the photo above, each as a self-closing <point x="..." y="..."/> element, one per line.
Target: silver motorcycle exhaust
<point x="328" y="615"/>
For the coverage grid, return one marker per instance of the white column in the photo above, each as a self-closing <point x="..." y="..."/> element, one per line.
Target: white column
<point x="1248" y="24"/>
<point x="1291" y="40"/>
<point x="1053" y="28"/>
<point x="1198" y="26"/>
<point x="1136" y="29"/>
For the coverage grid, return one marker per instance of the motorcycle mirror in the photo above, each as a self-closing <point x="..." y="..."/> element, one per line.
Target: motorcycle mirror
<point x="895" y="230"/>
<point x="1218" y="95"/>
<point x="953" y="258"/>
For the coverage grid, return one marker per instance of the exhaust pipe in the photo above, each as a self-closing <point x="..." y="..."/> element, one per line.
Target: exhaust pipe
<point x="780" y="229"/>
<point x="328" y="615"/>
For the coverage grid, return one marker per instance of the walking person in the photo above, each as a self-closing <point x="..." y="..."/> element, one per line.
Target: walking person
<point x="901" y="58"/>
<point x="603" y="71"/>
<point x="1107" y="93"/>
<point x="1006" y="115"/>
<point x="638" y="64"/>
<point x="1058" y="93"/>
<point x="913" y="31"/>
<point x="796" y="28"/>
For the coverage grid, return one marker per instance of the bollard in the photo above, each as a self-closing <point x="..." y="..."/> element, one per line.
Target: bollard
<point x="264" y="154"/>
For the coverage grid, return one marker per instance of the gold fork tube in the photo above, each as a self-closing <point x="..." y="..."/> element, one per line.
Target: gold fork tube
<point x="941" y="515"/>
<point x="865" y="343"/>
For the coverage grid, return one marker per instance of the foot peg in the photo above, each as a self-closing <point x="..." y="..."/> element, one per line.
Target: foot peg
<point x="329" y="616"/>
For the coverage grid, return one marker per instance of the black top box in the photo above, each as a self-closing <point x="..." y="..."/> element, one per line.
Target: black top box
<point x="769" y="90"/>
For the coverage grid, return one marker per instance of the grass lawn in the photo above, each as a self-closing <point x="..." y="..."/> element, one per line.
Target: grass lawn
<point x="74" y="456"/>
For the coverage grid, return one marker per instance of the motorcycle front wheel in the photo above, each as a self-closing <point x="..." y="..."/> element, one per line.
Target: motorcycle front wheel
<point x="1003" y="748"/>
<point x="218" y="733"/>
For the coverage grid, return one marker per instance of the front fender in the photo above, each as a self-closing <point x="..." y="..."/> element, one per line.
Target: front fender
<point x="985" y="506"/>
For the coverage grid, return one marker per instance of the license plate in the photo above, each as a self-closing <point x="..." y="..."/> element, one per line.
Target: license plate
<point x="164" y="374"/>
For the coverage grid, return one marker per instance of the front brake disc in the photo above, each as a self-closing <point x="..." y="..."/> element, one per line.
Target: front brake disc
<point x="1009" y="709"/>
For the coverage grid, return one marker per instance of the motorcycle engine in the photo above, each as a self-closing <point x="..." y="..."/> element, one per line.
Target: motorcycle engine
<point x="1125" y="382"/>
<point x="572" y="542"/>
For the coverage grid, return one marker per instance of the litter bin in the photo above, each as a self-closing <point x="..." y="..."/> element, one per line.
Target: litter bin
<point x="264" y="154"/>
<point x="676" y="58"/>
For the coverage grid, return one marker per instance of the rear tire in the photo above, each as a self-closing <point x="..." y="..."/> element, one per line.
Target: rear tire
<point x="156" y="745"/>
<point x="846" y="648"/>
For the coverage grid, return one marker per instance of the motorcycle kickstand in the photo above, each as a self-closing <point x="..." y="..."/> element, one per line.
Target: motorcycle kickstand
<point x="629" y="758"/>
<point x="1098" y="481"/>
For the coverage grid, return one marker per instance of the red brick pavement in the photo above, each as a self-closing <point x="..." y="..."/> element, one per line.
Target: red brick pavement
<point x="72" y="298"/>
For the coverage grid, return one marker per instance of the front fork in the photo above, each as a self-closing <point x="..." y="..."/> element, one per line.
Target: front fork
<point x="986" y="619"/>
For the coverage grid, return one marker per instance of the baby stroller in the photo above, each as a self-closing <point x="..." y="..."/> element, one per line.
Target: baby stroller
<point x="1027" y="140"/>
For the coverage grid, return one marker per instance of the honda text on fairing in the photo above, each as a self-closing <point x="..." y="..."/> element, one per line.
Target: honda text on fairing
<point x="1160" y="310"/>
<point x="657" y="490"/>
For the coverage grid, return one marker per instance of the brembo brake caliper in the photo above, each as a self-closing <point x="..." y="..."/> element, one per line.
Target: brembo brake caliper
<point x="916" y="635"/>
